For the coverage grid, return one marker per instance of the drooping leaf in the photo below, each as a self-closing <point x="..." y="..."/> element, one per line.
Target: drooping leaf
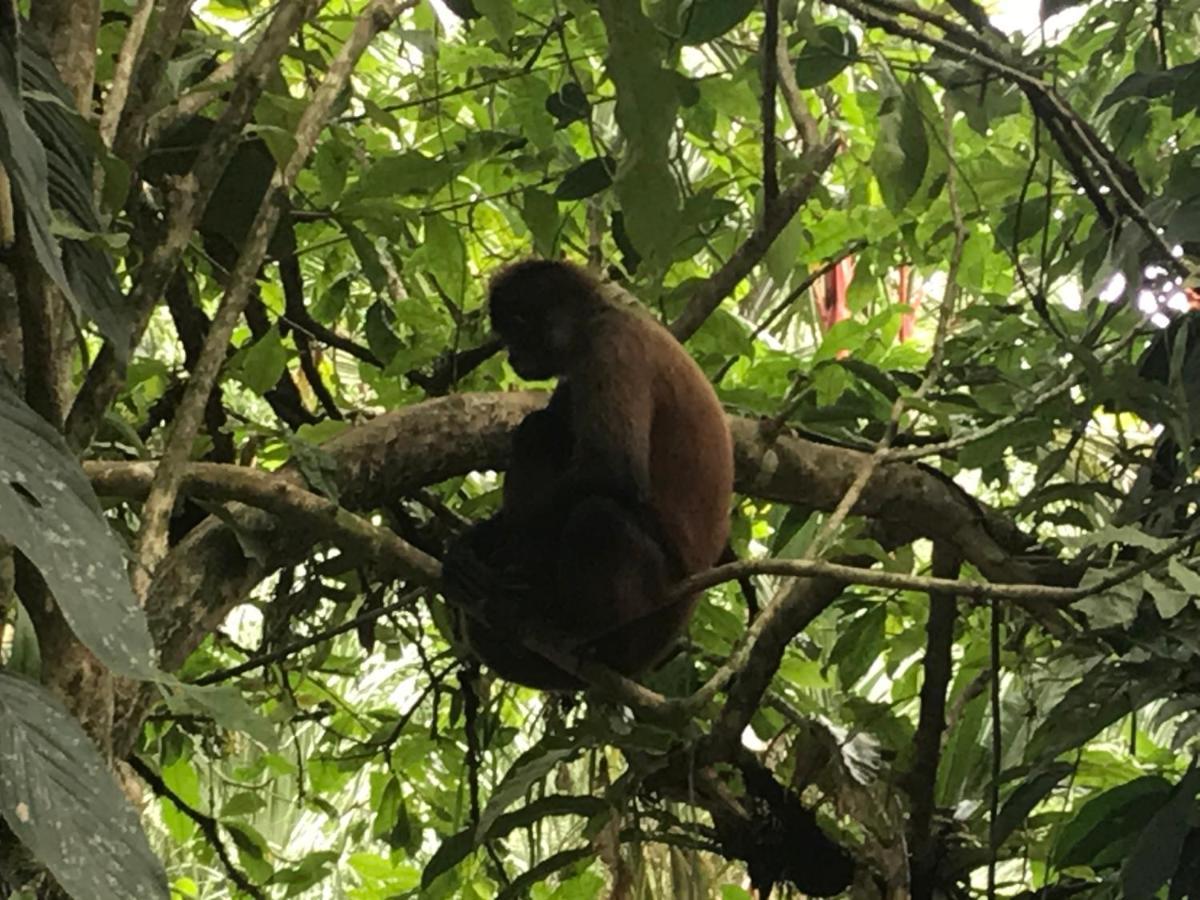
<point x="457" y="847"/>
<point x="1151" y="85"/>
<point x="540" y="213"/>
<point x="60" y="799"/>
<point x="706" y="20"/>
<point x="647" y="101"/>
<point x="1028" y="795"/>
<point x="49" y="512"/>
<point x="24" y="159"/>
<point x="587" y="178"/>
<point x="901" y="150"/>
<point x="824" y="56"/>
<point x="568" y="104"/>
<point x="1109" y="823"/>
<point x="52" y="116"/>
<point x="1156" y="853"/>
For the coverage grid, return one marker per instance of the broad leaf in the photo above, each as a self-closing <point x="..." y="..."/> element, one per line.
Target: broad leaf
<point x="50" y="513"/>
<point x="704" y="20"/>
<point x="60" y="799"/>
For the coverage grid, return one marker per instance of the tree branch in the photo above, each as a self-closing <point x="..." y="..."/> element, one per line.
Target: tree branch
<point x="712" y="291"/>
<point x="188" y="201"/>
<point x="209" y="827"/>
<point x="118" y="90"/>
<point x="152" y="537"/>
<point x="921" y="779"/>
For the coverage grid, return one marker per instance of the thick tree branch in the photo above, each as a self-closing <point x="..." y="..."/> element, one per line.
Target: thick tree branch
<point x="214" y="568"/>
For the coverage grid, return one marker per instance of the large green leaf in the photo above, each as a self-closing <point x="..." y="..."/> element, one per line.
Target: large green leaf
<point x="824" y="55"/>
<point x="901" y="151"/>
<point x="24" y="158"/>
<point x="70" y="164"/>
<point x="1156" y="853"/>
<point x="1109" y="823"/>
<point x="60" y="799"/>
<point x="49" y="512"/>
<point x="647" y="101"/>
<point x="705" y="20"/>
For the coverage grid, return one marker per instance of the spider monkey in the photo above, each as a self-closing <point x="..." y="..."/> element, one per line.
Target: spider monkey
<point x="616" y="490"/>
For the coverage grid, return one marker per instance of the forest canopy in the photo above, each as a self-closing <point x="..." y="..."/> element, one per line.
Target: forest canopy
<point x="938" y="261"/>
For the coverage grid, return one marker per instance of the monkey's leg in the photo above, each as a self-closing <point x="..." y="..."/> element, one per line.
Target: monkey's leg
<point x="609" y="569"/>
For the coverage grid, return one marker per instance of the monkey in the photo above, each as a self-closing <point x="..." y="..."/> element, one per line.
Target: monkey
<point x="619" y="488"/>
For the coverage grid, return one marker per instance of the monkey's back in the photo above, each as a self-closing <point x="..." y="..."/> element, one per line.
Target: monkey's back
<point x="691" y="452"/>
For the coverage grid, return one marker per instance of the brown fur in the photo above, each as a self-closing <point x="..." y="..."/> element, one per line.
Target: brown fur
<point x="617" y="490"/>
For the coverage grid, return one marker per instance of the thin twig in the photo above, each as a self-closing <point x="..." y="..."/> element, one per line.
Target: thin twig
<point x="208" y="825"/>
<point x="118" y="91"/>
<point x="743" y="260"/>
<point x="289" y="650"/>
<point x="769" y="71"/>
<point x="806" y="125"/>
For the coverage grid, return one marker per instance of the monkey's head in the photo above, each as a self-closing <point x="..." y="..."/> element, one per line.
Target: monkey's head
<point x="541" y="309"/>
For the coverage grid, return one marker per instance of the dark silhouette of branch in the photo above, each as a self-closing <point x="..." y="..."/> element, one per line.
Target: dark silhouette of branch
<point x="921" y="780"/>
<point x="209" y="827"/>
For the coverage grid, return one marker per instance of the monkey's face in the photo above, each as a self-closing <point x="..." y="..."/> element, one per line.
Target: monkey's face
<point x="538" y="308"/>
<point x="537" y="338"/>
<point x="536" y="349"/>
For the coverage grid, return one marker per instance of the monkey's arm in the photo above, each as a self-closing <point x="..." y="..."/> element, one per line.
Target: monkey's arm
<point x="612" y="409"/>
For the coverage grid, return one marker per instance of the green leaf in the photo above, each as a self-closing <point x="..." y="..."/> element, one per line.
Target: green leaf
<point x="1169" y="601"/>
<point x="530" y="768"/>
<point x="408" y="173"/>
<point x="260" y="365"/>
<point x="1150" y="84"/>
<point x="824" y="56"/>
<point x="332" y="162"/>
<point x="1186" y="577"/>
<point x="457" y="847"/>
<point x="59" y="798"/>
<point x="704" y="20"/>
<point x="380" y="338"/>
<point x="901" y="150"/>
<point x="1109" y="823"/>
<point x="368" y="258"/>
<point x="501" y="14"/>
<point x="540" y="213"/>
<point x="1156" y="853"/>
<point x="647" y="105"/>
<point x="1028" y="795"/>
<point x="24" y="158"/>
<point x="859" y="645"/>
<point x="227" y="707"/>
<point x="49" y="512"/>
<point x="50" y="111"/>
<point x="568" y="104"/>
<point x="585" y="179"/>
<point x="445" y="255"/>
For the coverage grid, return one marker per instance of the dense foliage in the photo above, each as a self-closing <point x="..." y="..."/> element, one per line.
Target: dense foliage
<point x="938" y="271"/>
